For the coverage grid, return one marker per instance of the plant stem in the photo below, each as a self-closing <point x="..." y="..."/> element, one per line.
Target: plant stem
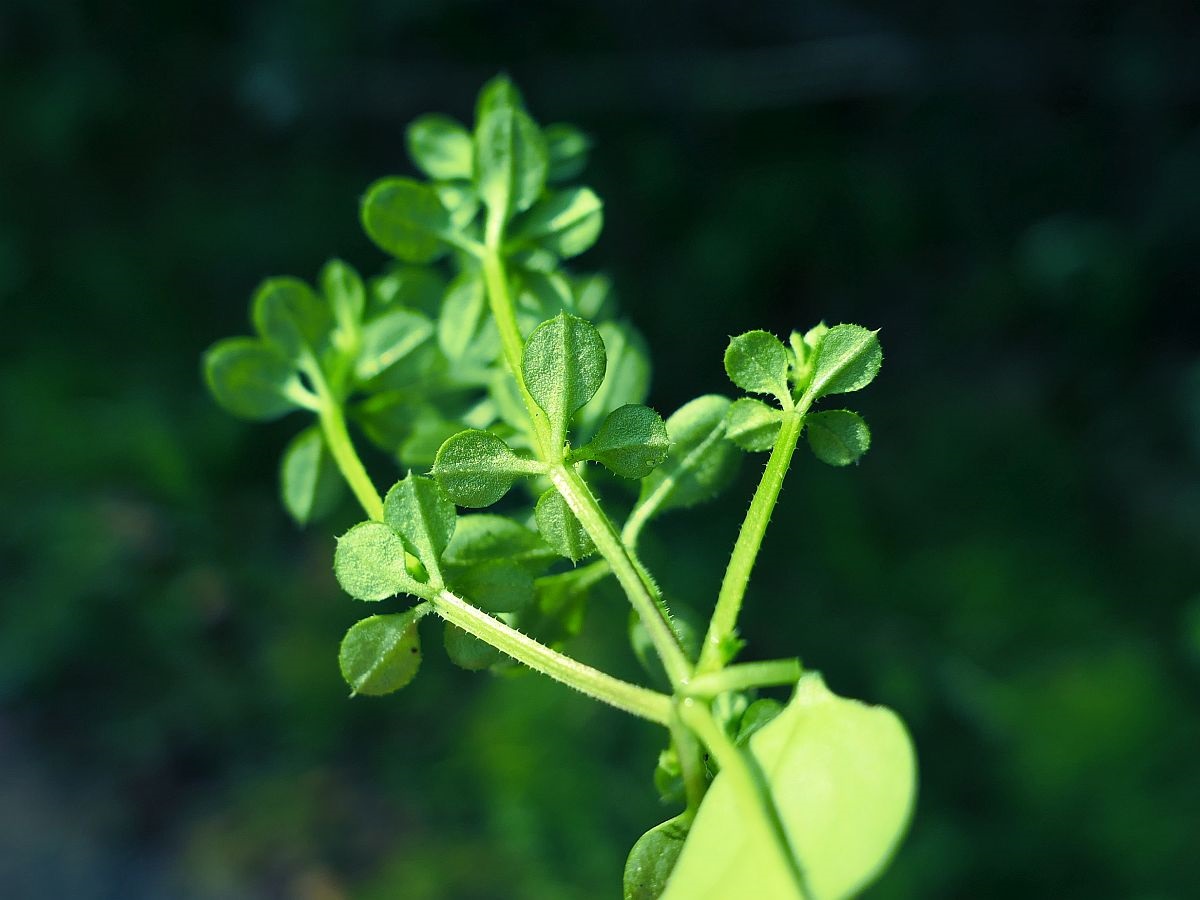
<point x="631" y="698"/>
<point x="745" y="676"/>
<point x="568" y="482"/>
<point x="749" y="785"/>
<point x="604" y="535"/>
<point x="745" y="551"/>
<point x="333" y="426"/>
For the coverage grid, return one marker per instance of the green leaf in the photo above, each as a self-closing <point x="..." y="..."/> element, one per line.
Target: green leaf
<point x="563" y="367"/>
<point x="847" y="359"/>
<point x="309" y="481"/>
<point x="476" y="468"/>
<point x="483" y="538"/>
<point x="369" y="563"/>
<point x="652" y="858"/>
<point x="416" y="287"/>
<point x="837" y="437"/>
<point x="498" y="585"/>
<point x="381" y="654"/>
<point x="560" y="529"/>
<point x="758" y="362"/>
<point x="843" y="777"/>
<point x="344" y="290"/>
<point x="757" y="714"/>
<point x="594" y="301"/>
<point x="440" y="147"/>
<point x="631" y="442"/>
<point x="388" y="339"/>
<point x="418" y="510"/>
<point x="406" y="219"/>
<point x="567" y="149"/>
<point x="466" y="331"/>
<point x="700" y="463"/>
<point x="467" y="651"/>
<point x="565" y="222"/>
<point x="753" y="425"/>
<point x="541" y="296"/>
<point x="291" y="317"/>
<point x="252" y="381"/>
<point x="510" y="152"/>
<point x="460" y="199"/>
<point x="626" y="379"/>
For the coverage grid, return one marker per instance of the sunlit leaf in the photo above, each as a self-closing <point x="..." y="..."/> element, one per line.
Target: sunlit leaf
<point x="563" y="367"/>
<point x="847" y="359"/>
<point x="476" y="468"/>
<point x="406" y="219"/>
<point x="701" y="461"/>
<point x="842" y="776"/>
<point x="758" y="362"/>
<point x="631" y="441"/>
<point x="564" y="222"/>
<point x="510" y="152"/>
<point x="388" y="339"/>
<point x="291" y="317"/>
<point x="370" y="563"/>
<point x="309" y="482"/>
<point x="417" y="509"/>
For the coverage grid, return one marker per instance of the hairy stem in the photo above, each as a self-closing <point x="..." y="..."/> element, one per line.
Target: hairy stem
<point x="631" y="698"/>
<point x="745" y="676"/>
<point x="604" y="535"/>
<point x="741" y="562"/>
<point x="749" y="785"/>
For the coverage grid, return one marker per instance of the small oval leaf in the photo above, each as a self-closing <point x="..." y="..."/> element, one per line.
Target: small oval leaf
<point x="291" y="317"/>
<point x="417" y="509"/>
<point x="837" y="437"/>
<point x="497" y="586"/>
<point x="381" y="654"/>
<point x="631" y="442"/>
<point x="309" y="482"/>
<point x="510" y="152"/>
<point x="484" y="537"/>
<point x="700" y="463"/>
<point x="567" y="149"/>
<point x="847" y="359"/>
<point x="476" y="468"/>
<point x="406" y="219"/>
<point x="758" y="362"/>
<point x="653" y="858"/>
<point x="369" y="563"/>
<point x="388" y="339"/>
<point x="440" y="147"/>
<point x="467" y="651"/>
<point x="251" y="380"/>
<point x="564" y="222"/>
<point x="345" y="291"/>
<point x="560" y="529"/>
<point x="753" y="425"/>
<point x="563" y="366"/>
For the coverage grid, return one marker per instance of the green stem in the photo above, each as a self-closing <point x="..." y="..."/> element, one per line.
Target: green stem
<point x="695" y="781"/>
<point x="745" y="676"/>
<point x="604" y="535"/>
<point x="749" y="785"/>
<point x="573" y="489"/>
<point x="745" y="551"/>
<point x="337" y="436"/>
<point x="631" y="698"/>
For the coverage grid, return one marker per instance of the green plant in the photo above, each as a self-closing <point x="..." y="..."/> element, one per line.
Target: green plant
<point x="516" y="371"/>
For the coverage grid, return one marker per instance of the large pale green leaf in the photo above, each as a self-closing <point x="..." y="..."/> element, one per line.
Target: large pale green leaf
<point x="843" y="778"/>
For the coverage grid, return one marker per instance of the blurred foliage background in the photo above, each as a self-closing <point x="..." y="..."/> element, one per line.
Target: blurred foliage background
<point x="1011" y="191"/>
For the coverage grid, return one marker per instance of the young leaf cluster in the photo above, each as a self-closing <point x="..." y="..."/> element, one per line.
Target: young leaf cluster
<point x="499" y="379"/>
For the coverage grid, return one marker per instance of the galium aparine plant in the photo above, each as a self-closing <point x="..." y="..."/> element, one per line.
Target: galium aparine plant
<point x="498" y="379"/>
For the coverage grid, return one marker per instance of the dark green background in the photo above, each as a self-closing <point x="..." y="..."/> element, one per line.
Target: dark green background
<point x="1011" y="191"/>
